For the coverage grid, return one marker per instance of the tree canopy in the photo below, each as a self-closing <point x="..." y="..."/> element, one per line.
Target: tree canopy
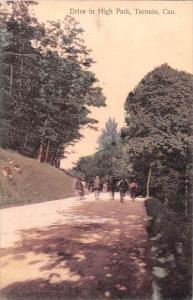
<point x="46" y="85"/>
<point x="159" y="132"/>
<point x="109" y="136"/>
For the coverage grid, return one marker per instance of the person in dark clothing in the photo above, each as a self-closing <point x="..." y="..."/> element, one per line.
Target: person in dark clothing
<point x="133" y="188"/>
<point x="97" y="187"/>
<point x="80" y="188"/>
<point x="91" y="185"/>
<point x="123" y="188"/>
<point x="112" y="186"/>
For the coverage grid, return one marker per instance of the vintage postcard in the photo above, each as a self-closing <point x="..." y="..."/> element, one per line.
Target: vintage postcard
<point x="96" y="107"/>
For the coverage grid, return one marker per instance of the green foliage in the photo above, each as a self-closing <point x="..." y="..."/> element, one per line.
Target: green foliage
<point x="110" y="136"/>
<point x="159" y="138"/>
<point x="171" y="236"/>
<point x="46" y="85"/>
<point x="109" y="160"/>
<point x="159" y="133"/>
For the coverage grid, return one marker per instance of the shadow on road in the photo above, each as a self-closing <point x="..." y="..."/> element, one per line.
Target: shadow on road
<point x="100" y="257"/>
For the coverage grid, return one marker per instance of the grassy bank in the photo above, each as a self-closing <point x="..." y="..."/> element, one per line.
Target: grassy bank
<point x="36" y="183"/>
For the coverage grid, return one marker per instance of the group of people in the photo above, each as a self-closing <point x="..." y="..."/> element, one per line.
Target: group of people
<point x="111" y="185"/>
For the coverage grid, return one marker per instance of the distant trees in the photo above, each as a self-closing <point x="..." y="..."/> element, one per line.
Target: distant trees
<point x="159" y="133"/>
<point x="109" y="159"/>
<point x="110" y="154"/>
<point x="109" y="136"/>
<point x="46" y="86"/>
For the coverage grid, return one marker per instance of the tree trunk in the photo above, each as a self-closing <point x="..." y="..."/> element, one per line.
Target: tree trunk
<point x="57" y="162"/>
<point x="26" y="138"/>
<point x="40" y="152"/>
<point x="1" y="84"/>
<point x="51" y="159"/>
<point x="47" y="151"/>
<point x="148" y="183"/>
<point x="20" y="82"/>
<point x="11" y="81"/>
<point x="186" y="196"/>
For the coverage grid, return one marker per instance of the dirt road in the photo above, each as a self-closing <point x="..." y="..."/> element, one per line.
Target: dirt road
<point x="67" y="249"/>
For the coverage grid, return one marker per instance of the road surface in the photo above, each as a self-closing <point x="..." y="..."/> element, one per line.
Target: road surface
<point x="69" y="249"/>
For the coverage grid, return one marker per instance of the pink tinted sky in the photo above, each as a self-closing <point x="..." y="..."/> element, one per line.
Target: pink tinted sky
<point x="125" y="48"/>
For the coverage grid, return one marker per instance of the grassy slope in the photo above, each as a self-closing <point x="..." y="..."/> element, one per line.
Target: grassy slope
<point x="38" y="182"/>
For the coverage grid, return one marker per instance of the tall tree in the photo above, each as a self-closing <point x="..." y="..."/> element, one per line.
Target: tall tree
<point x="109" y="136"/>
<point x="159" y="131"/>
<point x="47" y="81"/>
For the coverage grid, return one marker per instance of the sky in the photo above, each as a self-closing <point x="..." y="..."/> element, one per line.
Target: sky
<point x="125" y="47"/>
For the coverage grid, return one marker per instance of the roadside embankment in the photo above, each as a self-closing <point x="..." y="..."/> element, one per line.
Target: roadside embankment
<point x="170" y="251"/>
<point x="31" y="181"/>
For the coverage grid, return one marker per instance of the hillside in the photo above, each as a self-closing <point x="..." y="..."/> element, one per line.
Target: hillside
<point x="36" y="183"/>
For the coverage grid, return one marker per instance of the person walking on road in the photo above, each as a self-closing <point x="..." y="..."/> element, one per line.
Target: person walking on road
<point x="91" y="185"/>
<point x="97" y="187"/>
<point x="112" y="187"/>
<point x="123" y="188"/>
<point x="80" y="188"/>
<point x="133" y="189"/>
